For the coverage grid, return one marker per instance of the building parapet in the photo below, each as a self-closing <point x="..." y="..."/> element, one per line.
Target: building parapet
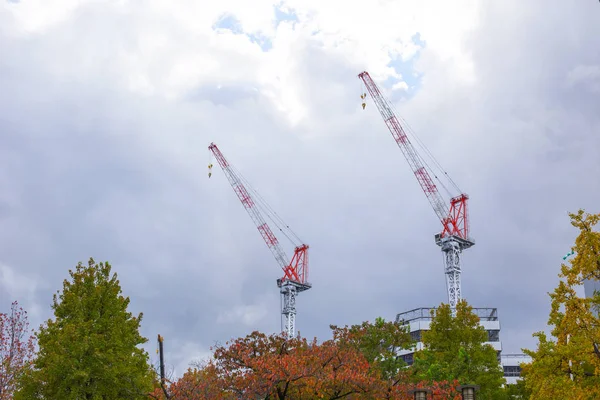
<point x="424" y="314"/>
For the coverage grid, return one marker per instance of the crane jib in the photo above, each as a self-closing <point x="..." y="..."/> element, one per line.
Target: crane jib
<point x="455" y="232"/>
<point x="297" y="267"/>
<point x="295" y="278"/>
<point x="453" y="219"/>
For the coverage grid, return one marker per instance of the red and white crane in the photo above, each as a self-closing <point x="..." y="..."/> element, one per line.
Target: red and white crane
<point x="295" y="271"/>
<point x="454" y="237"/>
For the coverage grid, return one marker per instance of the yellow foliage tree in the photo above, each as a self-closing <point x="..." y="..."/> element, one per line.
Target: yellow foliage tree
<point x="567" y="366"/>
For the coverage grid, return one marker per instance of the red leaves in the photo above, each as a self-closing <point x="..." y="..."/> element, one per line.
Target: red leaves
<point x="342" y="371"/>
<point x="260" y="365"/>
<point x="16" y="349"/>
<point x="270" y="367"/>
<point x="199" y="384"/>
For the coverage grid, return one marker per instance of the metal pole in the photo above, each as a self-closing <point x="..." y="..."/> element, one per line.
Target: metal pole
<point x="162" y="359"/>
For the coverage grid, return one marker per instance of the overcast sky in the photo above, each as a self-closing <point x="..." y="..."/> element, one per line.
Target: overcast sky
<point x="107" y="109"/>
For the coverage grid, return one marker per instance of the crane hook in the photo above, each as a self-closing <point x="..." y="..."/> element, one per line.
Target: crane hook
<point x="363" y="104"/>
<point x="210" y="170"/>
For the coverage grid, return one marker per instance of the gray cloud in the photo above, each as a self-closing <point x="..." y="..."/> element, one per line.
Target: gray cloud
<point x="90" y="169"/>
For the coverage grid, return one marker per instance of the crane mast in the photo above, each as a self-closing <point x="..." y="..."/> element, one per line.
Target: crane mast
<point x="295" y="272"/>
<point x="454" y="237"/>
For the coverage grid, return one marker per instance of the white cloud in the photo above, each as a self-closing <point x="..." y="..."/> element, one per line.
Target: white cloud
<point x="168" y="48"/>
<point x="37" y="16"/>
<point x="402" y="86"/>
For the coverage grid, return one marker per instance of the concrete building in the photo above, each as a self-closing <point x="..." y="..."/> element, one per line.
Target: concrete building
<point x="419" y="319"/>
<point x="511" y="366"/>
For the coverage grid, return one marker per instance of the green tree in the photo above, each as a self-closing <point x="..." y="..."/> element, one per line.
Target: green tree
<point x="517" y="391"/>
<point x="455" y="349"/>
<point x="378" y="342"/>
<point x="567" y="365"/>
<point x="90" y="350"/>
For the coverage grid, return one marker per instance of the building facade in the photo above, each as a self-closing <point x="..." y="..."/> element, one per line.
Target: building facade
<point x="419" y="319"/>
<point x="511" y="364"/>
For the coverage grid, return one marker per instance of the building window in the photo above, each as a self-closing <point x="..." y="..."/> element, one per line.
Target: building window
<point x="416" y="336"/>
<point x="493" y="335"/>
<point x="512" y="370"/>
<point x="408" y="358"/>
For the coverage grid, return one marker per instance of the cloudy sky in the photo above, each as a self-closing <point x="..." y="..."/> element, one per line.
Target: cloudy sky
<point x="107" y="109"/>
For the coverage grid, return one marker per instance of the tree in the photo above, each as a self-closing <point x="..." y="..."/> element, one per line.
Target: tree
<point x="378" y="342"/>
<point x="198" y="383"/>
<point x="358" y="363"/>
<point x="455" y="349"/>
<point x="339" y="372"/>
<point x="17" y="348"/>
<point x="271" y="367"/>
<point x="517" y="391"/>
<point x="90" y="351"/>
<point x="260" y="366"/>
<point x="567" y="365"/>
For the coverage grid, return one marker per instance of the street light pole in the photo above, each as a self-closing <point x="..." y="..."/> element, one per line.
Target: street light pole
<point x="468" y="391"/>
<point x="420" y="393"/>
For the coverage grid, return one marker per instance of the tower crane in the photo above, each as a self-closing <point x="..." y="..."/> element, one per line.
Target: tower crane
<point x="454" y="237"/>
<point x="295" y="272"/>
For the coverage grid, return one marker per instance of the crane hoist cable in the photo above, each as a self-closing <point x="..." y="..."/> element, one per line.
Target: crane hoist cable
<point x="454" y="237"/>
<point x="295" y="277"/>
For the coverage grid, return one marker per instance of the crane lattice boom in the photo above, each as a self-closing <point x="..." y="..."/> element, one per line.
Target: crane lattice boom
<point x="454" y="221"/>
<point x="295" y="272"/>
<point x="454" y="236"/>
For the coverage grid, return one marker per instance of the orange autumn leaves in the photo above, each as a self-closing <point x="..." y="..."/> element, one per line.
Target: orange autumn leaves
<point x="270" y="367"/>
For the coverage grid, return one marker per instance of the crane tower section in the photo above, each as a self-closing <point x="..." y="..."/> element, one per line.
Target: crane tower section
<point x="454" y="236"/>
<point x="295" y="272"/>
